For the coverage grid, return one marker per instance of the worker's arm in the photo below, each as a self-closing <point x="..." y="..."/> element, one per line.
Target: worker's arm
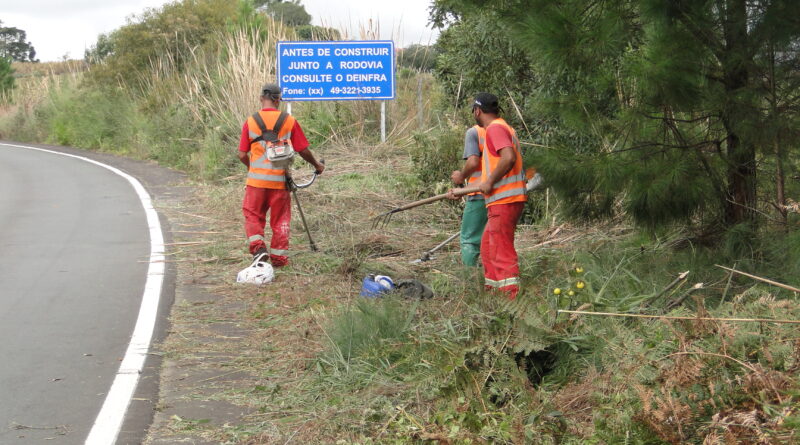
<point x="244" y="146"/>
<point x="308" y="156"/>
<point x="507" y="159"/>
<point x="472" y="164"/>
<point x="458" y="177"/>
<point x="244" y="157"/>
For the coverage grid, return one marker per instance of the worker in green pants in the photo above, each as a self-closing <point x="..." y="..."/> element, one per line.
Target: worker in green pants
<point x="474" y="219"/>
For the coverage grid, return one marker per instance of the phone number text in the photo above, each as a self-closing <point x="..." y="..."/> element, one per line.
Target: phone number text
<point x="355" y="90"/>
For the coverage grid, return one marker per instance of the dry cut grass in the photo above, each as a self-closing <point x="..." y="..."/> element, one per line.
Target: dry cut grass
<point x="266" y="339"/>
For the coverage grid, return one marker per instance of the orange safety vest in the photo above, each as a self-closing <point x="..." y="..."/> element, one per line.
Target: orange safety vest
<point x="262" y="173"/>
<point x="475" y="177"/>
<point x="511" y="187"/>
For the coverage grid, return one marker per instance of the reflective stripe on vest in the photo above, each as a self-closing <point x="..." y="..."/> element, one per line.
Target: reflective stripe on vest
<point x="262" y="177"/>
<point x="475" y="177"/>
<point x="509" y="179"/>
<point x="263" y="170"/>
<point x="262" y="173"/>
<point x="511" y="187"/>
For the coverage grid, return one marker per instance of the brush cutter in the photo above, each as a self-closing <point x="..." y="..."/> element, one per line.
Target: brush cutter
<point x="383" y="219"/>
<point x="293" y="186"/>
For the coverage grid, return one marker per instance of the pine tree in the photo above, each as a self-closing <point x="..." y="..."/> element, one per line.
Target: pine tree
<point x="674" y="108"/>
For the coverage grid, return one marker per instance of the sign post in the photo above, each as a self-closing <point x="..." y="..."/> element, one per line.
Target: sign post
<point x="383" y="121"/>
<point x="338" y="70"/>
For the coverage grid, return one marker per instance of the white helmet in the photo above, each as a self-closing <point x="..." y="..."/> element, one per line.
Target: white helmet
<point x="260" y="272"/>
<point x="384" y="281"/>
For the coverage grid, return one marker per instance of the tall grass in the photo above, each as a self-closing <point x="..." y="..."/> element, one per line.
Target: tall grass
<point x="368" y="325"/>
<point x="44" y="69"/>
<point x="24" y="110"/>
<point x="222" y="86"/>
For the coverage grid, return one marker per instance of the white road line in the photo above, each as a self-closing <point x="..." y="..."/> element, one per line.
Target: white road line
<point x="109" y="421"/>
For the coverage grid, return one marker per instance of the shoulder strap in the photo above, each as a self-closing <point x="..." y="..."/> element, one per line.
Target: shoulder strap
<point x="261" y="125"/>
<point x="280" y="122"/>
<point x="270" y="135"/>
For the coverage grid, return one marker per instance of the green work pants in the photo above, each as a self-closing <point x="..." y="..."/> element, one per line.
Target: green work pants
<point x="472" y="224"/>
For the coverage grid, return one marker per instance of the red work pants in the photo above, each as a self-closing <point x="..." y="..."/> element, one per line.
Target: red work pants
<point x="500" y="262"/>
<point x="254" y="208"/>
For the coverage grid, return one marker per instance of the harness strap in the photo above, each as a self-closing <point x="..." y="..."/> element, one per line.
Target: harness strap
<point x="274" y="131"/>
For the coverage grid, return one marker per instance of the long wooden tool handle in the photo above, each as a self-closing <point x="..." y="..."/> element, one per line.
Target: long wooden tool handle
<point x="756" y="277"/>
<point x="457" y="192"/>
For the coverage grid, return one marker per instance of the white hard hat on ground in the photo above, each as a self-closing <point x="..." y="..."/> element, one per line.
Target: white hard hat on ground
<point x="259" y="273"/>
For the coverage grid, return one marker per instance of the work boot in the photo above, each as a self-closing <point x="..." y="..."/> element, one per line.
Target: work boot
<point x="261" y="255"/>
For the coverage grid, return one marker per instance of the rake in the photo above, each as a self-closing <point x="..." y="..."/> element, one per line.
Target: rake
<point x="427" y="256"/>
<point x="383" y="219"/>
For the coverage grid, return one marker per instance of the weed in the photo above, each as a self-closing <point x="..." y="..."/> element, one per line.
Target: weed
<point x="368" y="325"/>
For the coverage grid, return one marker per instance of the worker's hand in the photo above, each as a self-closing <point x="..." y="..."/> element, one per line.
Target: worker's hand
<point x="457" y="177"/>
<point x="485" y="187"/>
<point x="319" y="168"/>
<point x="452" y="195"/>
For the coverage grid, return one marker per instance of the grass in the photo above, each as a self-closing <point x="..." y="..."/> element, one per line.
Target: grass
<point x="467" y="367"/>
<point x="48" y="69"/>
<point x="306" y="360"/>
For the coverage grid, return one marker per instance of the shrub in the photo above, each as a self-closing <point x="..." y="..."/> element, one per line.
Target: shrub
<point x="368" y="324"/>
<point x="178" y="28"/>
<point x="6" y="75"/>
<point x="91" y="118"/>
<point x="436" y="154"/>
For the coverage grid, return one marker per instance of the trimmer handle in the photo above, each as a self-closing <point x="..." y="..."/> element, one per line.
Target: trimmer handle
<point x="313" y="178"/>
<point x="317" y="172"/>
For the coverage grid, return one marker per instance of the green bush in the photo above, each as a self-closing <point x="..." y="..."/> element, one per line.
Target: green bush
<point x="91" y="118"/>
<point x="436" y="154"/>
<point x="216" y="157"/>
<point x="173" y="137"/>
<point x="128" y="52"/>
<point x="312" y="32"/>
<point x="418" y="57"/>
<point x="6" y="75"/>
<point x="325" y="122"/>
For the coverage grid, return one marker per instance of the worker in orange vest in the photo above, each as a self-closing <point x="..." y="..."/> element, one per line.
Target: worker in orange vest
<point x="503" y="186"/>
<point x="266" y="188"/>
<point x="474" y="218"/>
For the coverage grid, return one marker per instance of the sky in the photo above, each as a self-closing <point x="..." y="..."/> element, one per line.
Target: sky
<point x="59" y="28"/>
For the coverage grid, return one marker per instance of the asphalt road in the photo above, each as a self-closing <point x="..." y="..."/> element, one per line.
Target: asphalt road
<point x="74" y="246"/>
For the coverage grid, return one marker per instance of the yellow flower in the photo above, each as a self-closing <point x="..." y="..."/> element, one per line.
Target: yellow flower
<point x="580" y="284"/>
<point x="571" y="293"/>
<point x="578" y="269"/>
<point x="557" y="291"/>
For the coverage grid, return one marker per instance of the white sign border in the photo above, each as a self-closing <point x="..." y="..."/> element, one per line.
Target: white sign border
<point x="338" y="42"/>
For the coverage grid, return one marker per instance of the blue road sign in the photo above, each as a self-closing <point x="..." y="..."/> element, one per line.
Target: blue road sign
<point x="338" y="70"/>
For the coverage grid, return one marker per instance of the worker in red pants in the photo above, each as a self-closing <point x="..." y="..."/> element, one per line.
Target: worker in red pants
<point x="503" y="187"/>
<point x="266" y="188"/>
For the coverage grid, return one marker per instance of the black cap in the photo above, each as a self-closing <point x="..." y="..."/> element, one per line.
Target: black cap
<point x="487" y="102"/>
<point x="271" y="91"/>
